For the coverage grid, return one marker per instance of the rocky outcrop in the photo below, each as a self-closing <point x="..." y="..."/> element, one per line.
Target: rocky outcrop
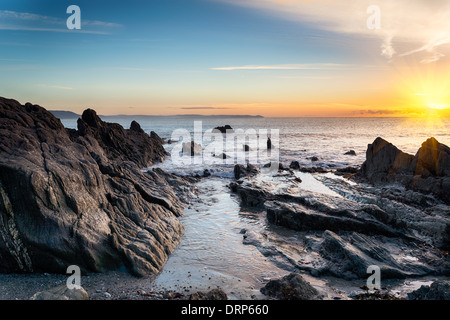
<point x="290" y="287"/>
<point x="224" y="129"/>
<point x="428" y="171"/>
<point x="191" y="149"/>
<point x="61" y="293"/>
<point x="241" y="171"/>
<point x="438" y="290"/>
<point x="79" y="197"/>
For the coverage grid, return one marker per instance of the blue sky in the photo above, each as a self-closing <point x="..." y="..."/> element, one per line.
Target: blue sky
<point x="196" y="56"/>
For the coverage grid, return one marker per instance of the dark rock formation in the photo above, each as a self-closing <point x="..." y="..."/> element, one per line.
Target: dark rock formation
<point x="215" y="294"/>
<point x="156" y="137"/>
<point x="439" y="290"/>
<point x="224" y="129"/>
<point x="290" y="287"/>
<point x="79" y="197"/>
<point x="246" y="148"/>
<point x="294" y="165"/>
<point x="428" y="171"/>
<point x="222" y="156"/>
<point x="241" y="171"/>
<point x="350" y="153"/>
<point x="191" y="149"/>
<point x="314" y="159"/>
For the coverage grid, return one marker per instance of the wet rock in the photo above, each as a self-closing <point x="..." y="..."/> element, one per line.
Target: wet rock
<point x="350" y="259"/>
<point x="294" y="165"/>
<point x="350" y="153"/>
<point x="299" y="217"/>
<point x="222" y="156"/>
<point x="269" y="144"/>
<point x="246" y="148"/>
<point x="191" y="149"/>
<point x="241" y="171"/>
<point x="314" y="158"/>
<point x="438" y="290"/>
<point x="215" y="294"/>
<point x="346" y="171"/>
<point x="224" y="129"/>
<point x="251" y="196"/>
<point x="290" y="287"/>
<point x="79" y="197"/>
<point x="61" y="293"/>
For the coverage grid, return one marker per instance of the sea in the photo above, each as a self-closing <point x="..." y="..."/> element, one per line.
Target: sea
<point x="212" y="253"/>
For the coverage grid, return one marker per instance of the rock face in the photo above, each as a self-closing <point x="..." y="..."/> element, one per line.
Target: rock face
<point x="439" y="290"/>
<point x="79" y="197"/>
<point x="290" y="287"/>
<point x="428" y="171"/>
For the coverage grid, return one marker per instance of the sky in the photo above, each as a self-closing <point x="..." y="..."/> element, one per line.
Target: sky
<point x="280" y="58"/>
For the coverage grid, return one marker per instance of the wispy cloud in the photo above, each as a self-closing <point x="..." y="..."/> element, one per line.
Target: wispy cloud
<point x="407" y="27"/>
<point x="317" y="66"/>
<point x="24" y="21"/>
<point x="55" y="87"/>
<point x="204" y="108"/>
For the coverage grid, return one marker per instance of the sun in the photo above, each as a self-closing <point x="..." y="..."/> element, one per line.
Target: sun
<point x="437" y="106"/>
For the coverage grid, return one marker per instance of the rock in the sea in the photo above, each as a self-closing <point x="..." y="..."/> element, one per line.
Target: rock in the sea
<point x="61" y="293"/>
<point x="79" y="197"/>
<point x="290" y="287"/>
<point x="191" y="149"/>
<point x="294" y="165"/>
<point x="224" y="129"/>
<point x="438" y="290"/>
<point x="215" y="294"/>
<point x="428" y="171"/>
<point x="384" y="159"/>
<point x="241" y="171"/>
<point x="350" y="153"/>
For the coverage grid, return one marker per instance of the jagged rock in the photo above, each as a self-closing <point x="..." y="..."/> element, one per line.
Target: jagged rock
<point x="290" y="287"/>
<point x="191" y="149"/>
<point x="302" y="217"/>
<point x="156" y="137"/>
<point x="428" y="171"/>
<point x="215" y="294"/>
<point x="225" y="129"/>
<point x="71" y="197"/>
<point x="384" y="159"/>
<point x="438" y="290"/>
<point x="241" y="171"/>
<point x="432" y="159"/>
<point x="61" y="293"/>
<point x="294" y="165"/>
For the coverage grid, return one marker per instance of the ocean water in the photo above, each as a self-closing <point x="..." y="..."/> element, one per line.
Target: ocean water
<point x="299" y="138"/>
